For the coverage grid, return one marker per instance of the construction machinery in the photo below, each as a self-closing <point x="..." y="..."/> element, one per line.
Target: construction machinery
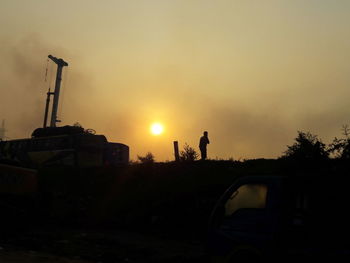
<point x="62" y="146"/>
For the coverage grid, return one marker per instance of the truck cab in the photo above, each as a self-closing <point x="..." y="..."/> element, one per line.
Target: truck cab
<point x="282" y="217"/>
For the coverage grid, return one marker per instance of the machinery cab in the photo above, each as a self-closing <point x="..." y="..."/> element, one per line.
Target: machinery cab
<point x="261" y="217"/>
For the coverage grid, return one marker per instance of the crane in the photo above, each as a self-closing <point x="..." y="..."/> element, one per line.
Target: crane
<point x="60" y="64"/>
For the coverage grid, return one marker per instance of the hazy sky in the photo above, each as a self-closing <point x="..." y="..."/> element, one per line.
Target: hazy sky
<point x="252" y="73"/>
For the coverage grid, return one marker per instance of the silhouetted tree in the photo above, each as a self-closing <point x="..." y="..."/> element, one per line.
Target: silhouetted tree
<point x="148" y="158"/>
<point x="188" y="153"/>
<point x="341" y="147"/>
<point x="306" y="147"/>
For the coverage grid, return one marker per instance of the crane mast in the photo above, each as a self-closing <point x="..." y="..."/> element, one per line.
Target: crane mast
<point x="56" y="94"/>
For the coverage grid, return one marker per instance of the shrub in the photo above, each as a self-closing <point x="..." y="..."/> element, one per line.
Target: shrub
<point x="148" y="158"/>
<point x="188" y="153"/>
<point x="306" y="147"/>
<point x="341" y="147"/>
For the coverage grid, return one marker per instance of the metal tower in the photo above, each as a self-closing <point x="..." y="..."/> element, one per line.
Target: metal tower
<point x="60" y="64"/>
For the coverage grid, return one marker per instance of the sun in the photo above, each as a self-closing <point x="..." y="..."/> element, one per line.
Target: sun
<point x="157" y="128"/>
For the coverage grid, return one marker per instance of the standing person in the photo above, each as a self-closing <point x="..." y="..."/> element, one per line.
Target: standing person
<point x="204" y="140"/>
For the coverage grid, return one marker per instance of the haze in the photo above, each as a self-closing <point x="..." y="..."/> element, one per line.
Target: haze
<point x="251" y="73"/>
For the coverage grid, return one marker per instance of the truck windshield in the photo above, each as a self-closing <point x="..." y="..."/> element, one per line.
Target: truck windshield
<point x="246" y="196"/>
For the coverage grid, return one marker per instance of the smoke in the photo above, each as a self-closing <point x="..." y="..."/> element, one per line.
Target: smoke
<point x="21" y="86"/>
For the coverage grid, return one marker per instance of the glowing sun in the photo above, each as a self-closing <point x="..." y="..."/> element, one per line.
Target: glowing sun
<point x="157" y="128"/>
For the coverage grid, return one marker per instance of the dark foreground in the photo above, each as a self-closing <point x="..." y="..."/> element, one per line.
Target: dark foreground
<point x="67" y="244"/>
<point x="141" y="213"/>
<point x="145" y="213"/>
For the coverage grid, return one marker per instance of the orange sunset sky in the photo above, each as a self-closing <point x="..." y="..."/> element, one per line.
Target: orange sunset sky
<point x="251" y="73"/>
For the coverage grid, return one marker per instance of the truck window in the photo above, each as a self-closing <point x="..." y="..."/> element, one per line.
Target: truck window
<point x="246" y="196"/>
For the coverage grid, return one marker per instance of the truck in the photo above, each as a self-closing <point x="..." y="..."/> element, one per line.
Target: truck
<point x="283" y="217"/>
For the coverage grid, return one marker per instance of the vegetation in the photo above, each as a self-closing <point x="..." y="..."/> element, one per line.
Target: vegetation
<point x="309" y="147"/>
<point x="188" y="154"/>
<point x="306" y="147"/>
<point x="340" y="148"/>
<point x="148" y="158"/>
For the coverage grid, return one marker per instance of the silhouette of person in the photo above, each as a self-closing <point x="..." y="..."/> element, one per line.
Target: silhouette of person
<point x="204" y="140"/>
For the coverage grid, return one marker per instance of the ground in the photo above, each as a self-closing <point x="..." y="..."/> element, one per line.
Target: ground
<point x="81" y="245"/>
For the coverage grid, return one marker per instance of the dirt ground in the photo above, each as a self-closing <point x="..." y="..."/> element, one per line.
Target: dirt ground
<point x="78" y="245"/>
<point x="34" y="257"/>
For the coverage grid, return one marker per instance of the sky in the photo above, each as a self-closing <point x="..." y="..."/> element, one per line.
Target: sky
<point x="251" y="73"/>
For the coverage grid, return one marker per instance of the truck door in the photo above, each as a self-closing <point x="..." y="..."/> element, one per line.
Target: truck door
<point x="243" y="220"/>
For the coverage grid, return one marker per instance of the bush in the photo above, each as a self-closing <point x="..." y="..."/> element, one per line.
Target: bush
<point x="306" y="147"/>
<point x="148" y="158"/>
<point x="188" y="154"/>
<point x="341" y="147"/>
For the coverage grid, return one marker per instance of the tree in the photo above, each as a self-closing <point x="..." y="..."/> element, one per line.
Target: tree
<point x="188" y="153"/>
<point x="306" y="147"/>
<point x="148" y="158"/>
<point x="341" y="147"/>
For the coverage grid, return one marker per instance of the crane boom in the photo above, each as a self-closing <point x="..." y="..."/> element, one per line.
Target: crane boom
<point x="60" y="64"/>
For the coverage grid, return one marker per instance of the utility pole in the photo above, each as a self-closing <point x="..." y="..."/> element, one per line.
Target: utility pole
<point x="176" y="151"/>
<point x="60" y="64"/>
<point x="2" y="131"/>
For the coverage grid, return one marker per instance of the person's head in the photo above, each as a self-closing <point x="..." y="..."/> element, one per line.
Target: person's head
<point x="205" y="133"/>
